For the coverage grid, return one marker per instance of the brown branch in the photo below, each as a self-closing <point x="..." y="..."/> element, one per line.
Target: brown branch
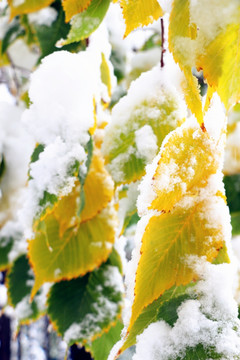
<point x="162" y="45"/>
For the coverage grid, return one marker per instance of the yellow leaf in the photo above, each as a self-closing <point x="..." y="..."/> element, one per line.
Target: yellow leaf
<point x="168" y="241"/>
<point x="98" y="191"/>
<point x="73" y="7"/>
<point x="221" y="64"/>
<point x="182" y="34"/>
<point x="79" y="250"/>
<point x="186" y="162"/>
<point x="106" y="75"/>
<point x="98" y="188"/>
<point x="27" y="6"/>
<point x="139" y="13"/>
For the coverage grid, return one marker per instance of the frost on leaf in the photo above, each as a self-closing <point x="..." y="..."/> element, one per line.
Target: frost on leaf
<point x="140" y="121"/>
<point x="139" y="13"/>
<point x="82" y="309"/>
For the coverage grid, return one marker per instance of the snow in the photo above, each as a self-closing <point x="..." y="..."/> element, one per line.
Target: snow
<point x="146" y="142"/>
<point x="65" y="106"/>
<point x="145" y="101"/>
<point x="44" y="16"/>
<point x="3" y="295"/>
<point x="101" y="310"/>
<point x="213" y="321"/>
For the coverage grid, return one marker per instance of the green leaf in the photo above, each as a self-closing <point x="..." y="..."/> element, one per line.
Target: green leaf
<point x="164" y="308"/>
<point x="232" y="186"/>
<point x="49" y="35"/>
<point x="82" y="177"/>
<point x="115" y="260"/>
<point x="2" y="165"/>
<point x="6" y="245"/>
<point x="83" y="308"/>
<point x="235" y="222"/>
<point x="13" y="33"/>
<point x="39" y="148"/>
<point x="200" y="353"/>
<point x="158" y="112"/>
<point x="20" y="280"/>
<point x="102" y="346"/>
<point x="85" y="23"/>
<point x="46" y="203"/>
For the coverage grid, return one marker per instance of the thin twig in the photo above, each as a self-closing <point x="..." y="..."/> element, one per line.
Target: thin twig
<point x="162" y="45"/>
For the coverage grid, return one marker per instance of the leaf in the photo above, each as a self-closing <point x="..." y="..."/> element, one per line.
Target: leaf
<point x="49" y="35"/>
<point x="235" y="222"/>
<point x="15" y="31"/>
<point x="169" y="239"/>
<point x="2" y="165"/>
<point x="27" y="6"/>
<point x="6" y="245"/>
<point x="164" y="308"/>
<point x="73" y="7"/>
<point x="85" y="23"/>
<point x="221" y="64"/>
<point x="155" y="117"/>
<point x="181" y="38"/>
<point x="82" y="309"/>
<point x="20" y="280"/>
<point x="50" y="251"/>
<point x="215" y="51"/>
<point x="185" y="164"/>
<point x="106" y="75"/>
<point x="199" y="352"/>
<point x="140" y="13"/>
<point x="101" y="347"/>
<point x="232" y="187"/>
<point x="98" y="190"/>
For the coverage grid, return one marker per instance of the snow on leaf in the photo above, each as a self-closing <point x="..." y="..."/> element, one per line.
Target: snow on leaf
<point x="27" y="6"/>
<point x="139" y="13"/>
<point x="50" y="251"/>
<point x="73" y="7"/>
<point x="20" y="280"/>
<point x="97" y="193"/>
<point x="186" y="162"/>
<point x="164" y="308"/>
<point x="82" y="309"/>
<point x="101" y="346"/>
<point x="85" y="23"/>
<point x="169" y="239"/>
<point x="140" y="121"/>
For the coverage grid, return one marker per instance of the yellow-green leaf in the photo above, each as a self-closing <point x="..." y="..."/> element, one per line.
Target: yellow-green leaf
<point x="139" y="13"/>
<point x="86" y="22"/>
<point x="168" y="241"/>
<point x="98" y="192"/>
<point x="73" y="7"/>
<point x="106" y="75"/>
<point x="181" y="43"/>
<point x="185" y="164"/>
<point x="221" y="64"/>
<point x="27" y="6"/>
<point x="79" y="250"/>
